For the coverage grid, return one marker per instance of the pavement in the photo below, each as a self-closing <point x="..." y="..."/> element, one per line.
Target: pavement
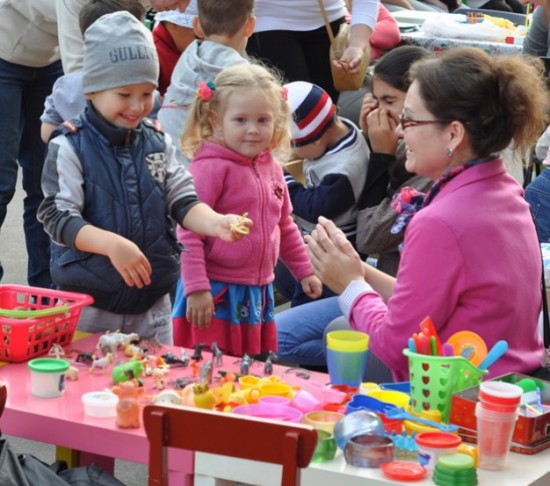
<point x="13" y="254"/>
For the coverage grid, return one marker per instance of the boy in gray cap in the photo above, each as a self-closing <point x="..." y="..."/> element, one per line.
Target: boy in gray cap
<point x="112" y="186"/>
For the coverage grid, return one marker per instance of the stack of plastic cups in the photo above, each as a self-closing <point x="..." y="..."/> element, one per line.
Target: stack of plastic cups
<point x="496" y="414"/>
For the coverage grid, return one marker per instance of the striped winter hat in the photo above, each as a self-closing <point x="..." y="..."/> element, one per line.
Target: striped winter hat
<point x="313" y="112"/>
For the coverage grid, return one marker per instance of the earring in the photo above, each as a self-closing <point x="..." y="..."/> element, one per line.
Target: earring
<point x="449" y="152"/>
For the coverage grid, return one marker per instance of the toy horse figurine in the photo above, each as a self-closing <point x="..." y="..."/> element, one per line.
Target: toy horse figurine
<point x="246" y="362"/>
<point x="197" y="355"/>
<point x="216" y="354"/>
<point x="268" y="367"/>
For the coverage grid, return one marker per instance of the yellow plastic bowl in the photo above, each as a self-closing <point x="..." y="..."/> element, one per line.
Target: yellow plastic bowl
<point x="275" y="389"/>
<point x="322" y="420"/>
<point x="348" y="341"/>
<point x="249" y="381"/>
<point x="399" y="399"/>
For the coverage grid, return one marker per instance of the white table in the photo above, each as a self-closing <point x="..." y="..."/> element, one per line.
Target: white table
<point x="522" y="470"/>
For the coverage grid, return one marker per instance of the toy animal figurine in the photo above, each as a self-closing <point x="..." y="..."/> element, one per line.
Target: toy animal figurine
<point x="128" y="410"/>
<point x="174" y="361"/>
<point x="56" y="351"/>
<point x="203" y="396"/>
<point x="158" y="378"/>
<point x="195" y="368"/>
<point x="205" y="373"/>
<point x="101" y="363"/>
<point x="216" y="354"/>
<point x="197" y="355"/>
<point x="246" y="362"/>
<point x="111" y="341"/>
<point x="130" y="370"/>
<point x="169" y="397"/>
<point x="72" y="373"/>
<point x="85" y="358"/>
<point x="151" y="343"/>
<point x="268" y="366"/>
<point x="181" y="383"/>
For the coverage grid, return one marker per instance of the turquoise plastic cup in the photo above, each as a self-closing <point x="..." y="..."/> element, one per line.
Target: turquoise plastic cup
<point x="346" y="357"/>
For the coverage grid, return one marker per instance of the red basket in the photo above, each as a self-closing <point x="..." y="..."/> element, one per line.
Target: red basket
<point x="23" y="339"/>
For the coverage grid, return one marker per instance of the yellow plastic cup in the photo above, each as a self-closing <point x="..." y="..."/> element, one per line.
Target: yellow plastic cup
<point x="249" y="381"/>
<point x="275" y="389"/>
<point x="348" y="341"/>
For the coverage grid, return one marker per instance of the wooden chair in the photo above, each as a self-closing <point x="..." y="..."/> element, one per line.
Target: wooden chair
<point x="291" y="445"/>
<point x="3" y="398"/>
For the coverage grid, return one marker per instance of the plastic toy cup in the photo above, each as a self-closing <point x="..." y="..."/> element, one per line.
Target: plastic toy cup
<point x="275" y="389"/>
<point x="498" y="396"/>
<point x="433" y="445"/>
<point x="326" y="447"/>
<point x="249" y="381"/>
<point x="494" y="436"/>
<point x="346" y="357"/>
<point x="368" y="450"/>
<point x="306" y="402"/>
<point x="48" y="377"/>
<point x="273" y="400"/>
<point x="322" y="420"/>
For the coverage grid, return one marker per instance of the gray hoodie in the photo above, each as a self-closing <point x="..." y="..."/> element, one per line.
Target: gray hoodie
<point x="201" y="61"/>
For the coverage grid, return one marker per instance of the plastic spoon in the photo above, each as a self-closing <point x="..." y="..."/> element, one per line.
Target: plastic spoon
<point x="401" y="414"/>
<point x="493" y="355"/>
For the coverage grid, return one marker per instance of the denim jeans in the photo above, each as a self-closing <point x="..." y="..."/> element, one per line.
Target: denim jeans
<point x="23" y="90"/>
<point x="537" y="195"/>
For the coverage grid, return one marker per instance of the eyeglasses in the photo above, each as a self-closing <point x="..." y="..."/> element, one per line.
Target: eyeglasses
<point x="408" y="122"/>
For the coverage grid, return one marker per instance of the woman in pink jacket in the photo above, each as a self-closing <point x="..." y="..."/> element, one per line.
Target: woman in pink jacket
<point x="227" y="297"/>
<point x="471" y="258"/>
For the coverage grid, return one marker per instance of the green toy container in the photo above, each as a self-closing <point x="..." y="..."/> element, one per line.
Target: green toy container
<point x="434" y="379"/>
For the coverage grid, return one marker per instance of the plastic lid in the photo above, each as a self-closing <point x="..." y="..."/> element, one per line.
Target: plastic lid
<point x="470" y="345"/>
<point x="455" y="462"/>
<point x="403" y="471"/>
<point x="438" y="440"/>
<point x="500" y="391"/>
<point x="48" y="365"/>
<point x="100" y="398"/>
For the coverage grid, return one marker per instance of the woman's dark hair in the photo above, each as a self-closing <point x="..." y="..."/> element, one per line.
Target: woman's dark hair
<point x="393" y="67"/>
<point x="93" y="9"/>
<point x="498" y="99"/>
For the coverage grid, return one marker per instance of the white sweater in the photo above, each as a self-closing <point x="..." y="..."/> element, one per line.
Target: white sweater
<point x="28" y="32"/>
<point x="305" y="15"/>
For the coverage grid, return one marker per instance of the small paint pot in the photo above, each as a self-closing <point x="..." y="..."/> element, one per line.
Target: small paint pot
<point x="101" y="404"/>
<point x="433" y="445"/>
<point x="368" y="450"/>
<point x="48" y="377"/>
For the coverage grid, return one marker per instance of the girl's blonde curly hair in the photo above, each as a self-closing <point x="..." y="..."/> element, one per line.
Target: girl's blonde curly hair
<point x="202" y="113"/>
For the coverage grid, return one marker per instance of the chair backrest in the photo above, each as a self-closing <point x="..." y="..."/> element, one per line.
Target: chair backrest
<point x="291" y="445"/>
<point x="3" y="398"/>
<point x="517" y="18"/>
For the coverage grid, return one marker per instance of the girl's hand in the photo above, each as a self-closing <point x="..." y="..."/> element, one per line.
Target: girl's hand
<point x="130" y="262"/>
<point x="382" y="132"/>
<point x="231" y="227"/>
<point x="312" y="286"/>
<point x="333" y="257"/>
<point x="369" y="104"/>
<point x="200" y="308"/>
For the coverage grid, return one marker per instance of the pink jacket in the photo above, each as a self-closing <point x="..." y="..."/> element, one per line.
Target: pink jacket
<point x="472" y="262"/>
<point x="231" y="183"/>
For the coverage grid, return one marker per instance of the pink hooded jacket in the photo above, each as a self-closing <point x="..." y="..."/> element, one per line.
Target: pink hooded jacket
<point x="232" y="183"/>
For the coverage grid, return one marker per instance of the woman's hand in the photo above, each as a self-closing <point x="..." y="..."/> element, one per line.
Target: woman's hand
<point x="369" y="104"/>
<point x="312" y="286"/>
<point x="333" y="257"/>
<point x="351" y="60"/>
<point x="381" y="132"/>
<point x="200" y="308"/>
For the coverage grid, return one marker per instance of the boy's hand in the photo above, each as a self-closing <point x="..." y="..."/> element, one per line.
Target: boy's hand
<point x="130" y="262"/>
<point x="200" y="308"/>
<point x="369" y="104"/>
<point x="312" y="286"/>
<point x="231" y="227"/>
<point x="381" y="132"/>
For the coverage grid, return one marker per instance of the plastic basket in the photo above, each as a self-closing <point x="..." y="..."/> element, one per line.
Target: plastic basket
<point x="25" y="338"/>
<point x="434" y="379"/>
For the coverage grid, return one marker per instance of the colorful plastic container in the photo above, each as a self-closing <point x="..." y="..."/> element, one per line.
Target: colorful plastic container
<point x="433" y="445"/>
<point x="48" y="377"/>
<point x="434" y="379"/>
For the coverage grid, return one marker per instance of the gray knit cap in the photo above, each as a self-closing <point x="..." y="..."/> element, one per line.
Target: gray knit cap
<point x="118" y="51"/>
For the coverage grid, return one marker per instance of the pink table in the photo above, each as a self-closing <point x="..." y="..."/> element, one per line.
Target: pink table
<point x="62" y="422"/>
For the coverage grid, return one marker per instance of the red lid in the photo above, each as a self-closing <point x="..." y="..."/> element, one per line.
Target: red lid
<point x="438" y="440"/>
<point x="403" y="471"/>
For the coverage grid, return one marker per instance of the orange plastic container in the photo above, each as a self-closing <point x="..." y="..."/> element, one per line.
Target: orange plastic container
<point x="24" y="338"/>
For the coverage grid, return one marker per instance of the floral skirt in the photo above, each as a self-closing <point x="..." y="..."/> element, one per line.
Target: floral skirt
<point x="243" y="321"/>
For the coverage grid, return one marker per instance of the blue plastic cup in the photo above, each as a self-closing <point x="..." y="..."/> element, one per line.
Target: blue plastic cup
<point x="347" y="356"/>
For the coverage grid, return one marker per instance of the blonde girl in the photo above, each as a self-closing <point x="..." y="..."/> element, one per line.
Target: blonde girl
<point x="236" y="125"/>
